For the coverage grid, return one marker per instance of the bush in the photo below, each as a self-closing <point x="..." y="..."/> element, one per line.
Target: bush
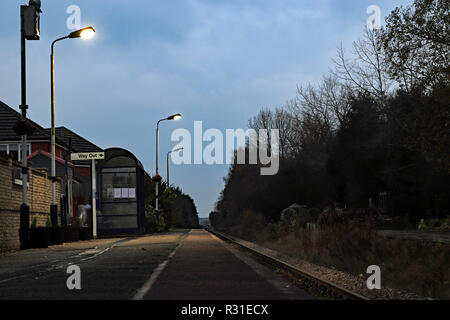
<point x="436" y="224"/>
<point x="352" y="246"/>
<point x="34" y="223"/>
<point x="154" y="224"/>
<point x="360" y="216"/>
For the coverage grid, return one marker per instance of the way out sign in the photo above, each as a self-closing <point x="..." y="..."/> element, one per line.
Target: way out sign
<point x="88" y="156"/>
<point x="91" y="156"/>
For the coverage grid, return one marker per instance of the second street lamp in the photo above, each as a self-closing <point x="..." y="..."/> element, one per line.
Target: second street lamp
<point x="168" y="153"/>
<point x="85" y="33"/>
<point x="157" y="179"/>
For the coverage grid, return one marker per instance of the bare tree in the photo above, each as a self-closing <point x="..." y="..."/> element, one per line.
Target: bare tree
<point x="365" y="71"/>
<point x="279" y="119"/>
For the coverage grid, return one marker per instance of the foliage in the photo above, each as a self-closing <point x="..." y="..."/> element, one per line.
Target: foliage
<point x="153" y="223"/>
<point x="176" y="209"/>
<point x="377" y="125"/>
<point x="350" y="246"/>
<point x="34" y="223"/>
<point x="416" y="41"/>
<point x="78" y="222"/>
<point x="435" y="224"/>
<point x="48" y="223"/>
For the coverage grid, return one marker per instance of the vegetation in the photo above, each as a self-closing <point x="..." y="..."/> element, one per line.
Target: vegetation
<point x="351" y="247"/>
<point x="372" y="134"/>
<point x="48" y="223"/>
<point x="375" y="128"/>
<point x="435" y="224"/>
<point x="34" y="223"/>
<point x="176" y="209"/>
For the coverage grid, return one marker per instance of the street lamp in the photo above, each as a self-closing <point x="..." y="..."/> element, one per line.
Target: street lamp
<point x="172" y="117"/>
<point x="176" y="150"/>
<point x="29" y="30"/>
<point x="85" y="33"/>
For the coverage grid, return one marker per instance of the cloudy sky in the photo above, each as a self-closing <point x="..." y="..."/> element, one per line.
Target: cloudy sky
<point x="218" y="61"/>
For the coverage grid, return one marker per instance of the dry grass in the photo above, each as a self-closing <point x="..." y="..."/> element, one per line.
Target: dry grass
<point x="419" y="267"/>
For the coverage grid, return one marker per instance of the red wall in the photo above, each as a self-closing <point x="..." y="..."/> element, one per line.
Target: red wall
<point x="45" y="146"/>
<point x="35" y="146"/>
<point x="84" y="171"/>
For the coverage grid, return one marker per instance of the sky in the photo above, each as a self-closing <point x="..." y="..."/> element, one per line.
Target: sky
<point x="215" y="61"/>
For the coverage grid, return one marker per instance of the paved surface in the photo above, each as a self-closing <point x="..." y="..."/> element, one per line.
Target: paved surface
<point x="183" y="264"/>
<point x="203" y="268"/>
<point x="110" y="269"/>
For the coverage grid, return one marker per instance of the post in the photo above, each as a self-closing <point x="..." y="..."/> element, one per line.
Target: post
<point x="53" y="207"/>
<point x="68" y="211"/>
<point x="157" y="183"/>
<point x="168" y="178"/>
<point x="52" y="133"/>
<point x="70" y="183"/>
<point x="94" y="205"/>
<point x="23" y="105"/>
<point x="24" y="209"/>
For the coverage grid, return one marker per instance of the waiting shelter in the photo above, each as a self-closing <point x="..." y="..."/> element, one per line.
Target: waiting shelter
<point x="120" y="196"/>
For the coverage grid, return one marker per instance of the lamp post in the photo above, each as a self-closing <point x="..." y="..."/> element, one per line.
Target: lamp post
<point x="29" y="30"/>
<point x="172" y="117"/>
<point x="85" y="33"/>
<point x="176" y="150"/>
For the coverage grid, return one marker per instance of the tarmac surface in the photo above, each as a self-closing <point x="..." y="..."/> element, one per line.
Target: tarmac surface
<point x="178" y="265"/>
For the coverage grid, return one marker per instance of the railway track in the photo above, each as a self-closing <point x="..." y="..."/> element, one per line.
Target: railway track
<point x="335" y="290"/>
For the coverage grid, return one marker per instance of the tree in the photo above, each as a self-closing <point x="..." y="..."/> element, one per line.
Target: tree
<point x="366" y="71"/>
<point x="416" y="41"/>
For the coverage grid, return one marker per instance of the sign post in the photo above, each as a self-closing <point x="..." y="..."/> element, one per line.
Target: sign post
<point x="94" y="198"/>
<point x="92" y="156"/>
<point x="87" y="156"/>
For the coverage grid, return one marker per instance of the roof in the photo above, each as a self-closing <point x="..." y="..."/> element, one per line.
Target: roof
<point x="9" y="117"/>
<point x="47" y="155"/>
<point x="117" y="152"/>
<point x="76" y="142"/>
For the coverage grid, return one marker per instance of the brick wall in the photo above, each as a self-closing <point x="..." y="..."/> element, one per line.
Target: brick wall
<point x="39" y="200"/>
<point x="45" y="146"/>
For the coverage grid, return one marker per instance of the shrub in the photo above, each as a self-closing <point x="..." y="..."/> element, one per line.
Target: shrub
<point x="436" y="224"/>
<point x="48" y="223"/>
<point x="353" y="246"/>
<point x="34" y="223"/>
<point x="154" y="224"/>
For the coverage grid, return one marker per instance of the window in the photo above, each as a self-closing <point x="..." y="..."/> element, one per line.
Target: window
<point x="119" y="186"/>
<point x="119" y="203"/>
<point x="14" y="150"/>
<point x="20" y="151"/>
<point x="4" y="149"/>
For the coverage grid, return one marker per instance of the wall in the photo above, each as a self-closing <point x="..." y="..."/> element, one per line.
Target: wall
<point x="39" y="200"/>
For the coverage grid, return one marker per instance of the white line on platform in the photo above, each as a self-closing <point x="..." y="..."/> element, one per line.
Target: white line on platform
<point x="14" y="278"/>
<point x="148" y="285"/>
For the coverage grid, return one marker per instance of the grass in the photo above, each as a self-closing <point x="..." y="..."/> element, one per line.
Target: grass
<point x="414" y="266"/>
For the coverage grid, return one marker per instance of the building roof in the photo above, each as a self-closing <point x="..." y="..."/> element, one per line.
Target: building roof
<point x="117" y="152"/>
<point x="64" y="136"/>
<point x="76" y="142"/>
<point x="8" y="118"/>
